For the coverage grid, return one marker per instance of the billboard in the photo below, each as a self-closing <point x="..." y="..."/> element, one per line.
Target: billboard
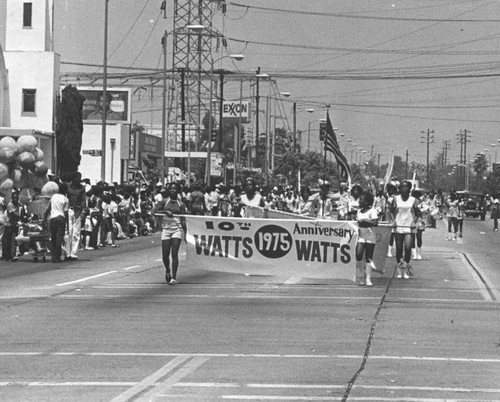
<point x="231" y="110"/>
<point x="117" y="105"/>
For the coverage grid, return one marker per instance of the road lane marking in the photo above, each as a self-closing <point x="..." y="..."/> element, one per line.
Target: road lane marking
<point x="254" y="355"/>
<point x="151" y="380"/>
<point x="261" y="386"/>
<point x="173" y="380"/>
<point x="271" y="296"/>
<point x="86" y="279"/>
<point x="132" y="267"/>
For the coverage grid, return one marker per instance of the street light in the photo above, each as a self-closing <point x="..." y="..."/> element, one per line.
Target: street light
<point x="104" y="94"/>
<point x="309" y="131"/>
<point x="237" y="57"/>
<point x="258" y="76"/>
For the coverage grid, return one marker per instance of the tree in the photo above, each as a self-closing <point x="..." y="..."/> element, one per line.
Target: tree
<point x="69" y="131"/>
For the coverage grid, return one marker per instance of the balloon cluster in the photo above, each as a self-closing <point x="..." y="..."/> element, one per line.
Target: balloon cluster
<point x="22" y="166"/>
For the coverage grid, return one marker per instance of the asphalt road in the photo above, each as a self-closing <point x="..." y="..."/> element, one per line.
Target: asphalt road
<point x="107" y="328"/>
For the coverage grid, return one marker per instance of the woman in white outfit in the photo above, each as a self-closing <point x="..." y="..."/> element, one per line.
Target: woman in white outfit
<point x="405" y="211"/>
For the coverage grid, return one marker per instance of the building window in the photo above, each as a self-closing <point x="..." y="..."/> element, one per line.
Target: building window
<point x="27" y="15"/>
<point x="29" y="101"/>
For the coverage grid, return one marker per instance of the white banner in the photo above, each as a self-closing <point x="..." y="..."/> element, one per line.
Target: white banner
<point x="279" y="247"/>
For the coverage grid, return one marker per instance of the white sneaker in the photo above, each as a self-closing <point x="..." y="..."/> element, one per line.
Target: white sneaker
<point x="419" y="254"/>
<point x="414" y="253"/>
<point x="369" y="283"/>
<point x="399" y="271"/>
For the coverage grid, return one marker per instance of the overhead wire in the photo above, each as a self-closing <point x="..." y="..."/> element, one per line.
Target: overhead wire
<point x="124" y="38"/>
<point x="147" y="40"/>
<point x="355" y="16"/>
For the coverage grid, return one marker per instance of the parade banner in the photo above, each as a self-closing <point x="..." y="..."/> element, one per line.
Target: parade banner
<point x="278" y="247"/>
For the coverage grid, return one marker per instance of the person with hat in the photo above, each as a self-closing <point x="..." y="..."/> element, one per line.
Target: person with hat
<point x="320" y="205"/>
<point x="495" y="213"/>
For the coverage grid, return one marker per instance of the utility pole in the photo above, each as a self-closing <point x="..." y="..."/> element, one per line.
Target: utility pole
<point x="406" y="176"/>
<point x="294" y="126"/>
<point x="428" y="139"/>
<point x="462" y="138"/>
<point x="446" y="146"/>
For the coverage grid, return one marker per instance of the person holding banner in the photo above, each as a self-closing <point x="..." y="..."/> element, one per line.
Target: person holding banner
<point x="320" y="205"/>
<point x="171" y="208"/>
<point x="405" y="211"/>
<point x="367" y="218"/>
<point x="251" y="197"/>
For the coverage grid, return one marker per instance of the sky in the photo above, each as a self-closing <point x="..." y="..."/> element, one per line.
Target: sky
<point x="390" y="70"/>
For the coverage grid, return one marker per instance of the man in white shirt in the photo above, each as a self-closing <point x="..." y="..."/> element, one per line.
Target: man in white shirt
<point x="57" y="215"/>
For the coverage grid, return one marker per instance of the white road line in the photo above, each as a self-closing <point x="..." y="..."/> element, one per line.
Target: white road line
<point x="132" y="267"/>
<point x="66" y="384"/>
<point x="271" y="296"/>
<point x="86" y="279"/>
<point x="187" y="370"/>
<point x="337" y="398"/>
<point x="253" y="355"/>
<point x="151" y="380"/>
<point x="293" y="280"/>
<point x="184" y="371"/>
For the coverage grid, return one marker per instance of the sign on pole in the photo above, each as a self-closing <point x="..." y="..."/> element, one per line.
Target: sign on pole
<point x="231" y="110"/>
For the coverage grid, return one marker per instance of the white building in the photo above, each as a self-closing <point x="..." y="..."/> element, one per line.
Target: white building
<point x="33" y="73"/>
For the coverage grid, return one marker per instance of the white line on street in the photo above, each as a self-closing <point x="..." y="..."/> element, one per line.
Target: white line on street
<point x="253" y="355"/>
<point x="173" y="380"/>
<point x="132" y="267"/>
<point x="86" y="279"/>
<point x="272" y="296"/>
<point x="337" y="398"/>
<point x="293" y="280"/>
<point x="150" y="380"/>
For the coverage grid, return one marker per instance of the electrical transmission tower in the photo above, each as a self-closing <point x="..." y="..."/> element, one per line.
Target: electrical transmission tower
<point x="193" y="44"/>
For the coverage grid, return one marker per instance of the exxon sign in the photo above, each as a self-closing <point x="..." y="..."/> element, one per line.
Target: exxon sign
<point x="231" y="111"/>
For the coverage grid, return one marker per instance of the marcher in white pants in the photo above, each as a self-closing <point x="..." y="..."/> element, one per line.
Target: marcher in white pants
<point x="77" y="203"/>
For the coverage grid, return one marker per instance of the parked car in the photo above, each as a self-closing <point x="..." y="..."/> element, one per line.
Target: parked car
<point x="475" y="204"/>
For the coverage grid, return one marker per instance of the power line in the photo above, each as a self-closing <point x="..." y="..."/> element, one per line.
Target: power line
<point x="363" y="17"/>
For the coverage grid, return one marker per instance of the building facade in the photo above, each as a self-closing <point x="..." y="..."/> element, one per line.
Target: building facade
<point x="32" y="71"/>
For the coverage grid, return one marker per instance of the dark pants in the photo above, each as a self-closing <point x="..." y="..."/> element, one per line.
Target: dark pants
<point x="95" y="231"/>
<point x="57" y="229"/>
<point x="9" y="243"/>
<point x="404" y="243"/>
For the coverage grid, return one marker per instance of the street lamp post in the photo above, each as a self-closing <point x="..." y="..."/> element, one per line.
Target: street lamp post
<point x="237" y="57"/>
<point x="164" y="109"/>
<point x="258" y="75"/>
<point x="428" y="140"/>
<point x="104" y="92"/>
<point x="309" y="131"/>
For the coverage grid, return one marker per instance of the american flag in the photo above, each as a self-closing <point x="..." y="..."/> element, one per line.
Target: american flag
<point x="332" y="145"/>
